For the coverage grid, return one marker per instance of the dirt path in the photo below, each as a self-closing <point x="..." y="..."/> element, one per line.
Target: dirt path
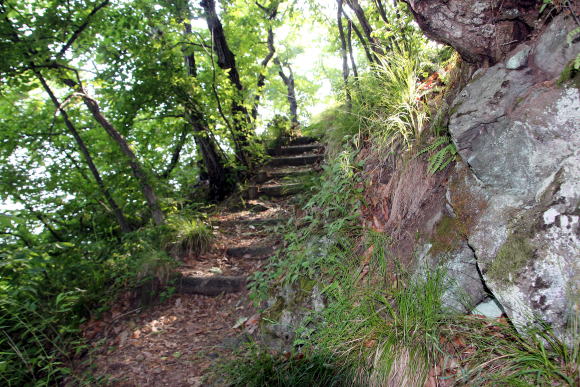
<point x="176" y="342"/>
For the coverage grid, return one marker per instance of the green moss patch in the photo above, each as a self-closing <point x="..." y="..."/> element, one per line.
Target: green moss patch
<point x="447" y="236"/>
<point x="513" y="256"/>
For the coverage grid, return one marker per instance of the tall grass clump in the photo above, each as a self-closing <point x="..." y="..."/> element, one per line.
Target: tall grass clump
<point x="189" y="237"/>
<point x="390" y="106"/>
<point x="255" y="367"/>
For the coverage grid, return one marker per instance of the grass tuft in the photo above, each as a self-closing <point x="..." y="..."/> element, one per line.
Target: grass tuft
<point x="189" y="237"/>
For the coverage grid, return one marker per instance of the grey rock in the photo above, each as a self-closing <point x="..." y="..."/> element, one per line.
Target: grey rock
<point x="463" y="285"/>
<point x="488" y="308"/>
<point x="468" y="25"/>
<point x="519" y="59"/>
<point x="520" y="137"/>
<point x="552" y="52"/>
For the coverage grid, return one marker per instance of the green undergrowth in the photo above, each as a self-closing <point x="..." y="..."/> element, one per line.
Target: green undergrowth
<point x="46" y="294"/>
<point x="330" y="221"/>
<point x="257" y="367"/>
<point x="382" y="325"/>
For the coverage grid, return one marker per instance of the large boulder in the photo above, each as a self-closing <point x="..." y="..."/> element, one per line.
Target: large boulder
<point x="481" y="31"/>
<point x="517" y="126"/>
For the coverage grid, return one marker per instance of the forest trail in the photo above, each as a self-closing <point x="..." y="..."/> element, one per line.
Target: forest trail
<point x="176" y="342"/>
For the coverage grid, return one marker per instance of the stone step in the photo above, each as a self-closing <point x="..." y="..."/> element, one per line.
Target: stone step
<point x="280" y="174"/>
<point x="308" y="159"/>
<point x="264" y="176"/>
<point x="250" y="252"/>
<point x="295" y="149"/>
<point x="210" y="286"/>
<point x="262" y="222"/>
<point x="302" y="141"/>
<point x="279" y="190"/>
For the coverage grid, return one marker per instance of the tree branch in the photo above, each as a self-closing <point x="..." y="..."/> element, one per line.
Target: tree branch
<point x="81" y="28"/>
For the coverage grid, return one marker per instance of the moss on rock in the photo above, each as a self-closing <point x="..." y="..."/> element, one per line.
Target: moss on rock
<point x="513" y="256"/>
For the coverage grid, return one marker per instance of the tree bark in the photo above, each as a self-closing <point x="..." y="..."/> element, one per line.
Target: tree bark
<point x="366" y="27"/>
<point x="363" y="42"/>
<point x="345" y="69"/>
<point x="117" y="212"/>
<point x="214" y="163"/>
<point x="289" y="82"/>
<point x="136" y="167"/>
<point x="227" y="62"/>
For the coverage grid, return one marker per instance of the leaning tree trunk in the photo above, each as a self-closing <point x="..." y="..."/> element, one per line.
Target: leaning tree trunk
<point x="227" y="62"/>
<point x="370" y="57"/>
<point x="119" y="216"/>
<point x="214" y="163"/>
<point x="290" y="87"/>
<point x="343" y="54"/>
<point x="136" y="167"/>
<point x="366" y="27"/>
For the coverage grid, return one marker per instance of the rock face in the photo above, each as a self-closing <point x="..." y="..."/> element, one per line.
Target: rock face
<point x="518" y="130"/>
<point x="479" y="30"/>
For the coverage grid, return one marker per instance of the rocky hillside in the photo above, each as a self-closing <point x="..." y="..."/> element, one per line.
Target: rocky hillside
<point x="515" y="193"/>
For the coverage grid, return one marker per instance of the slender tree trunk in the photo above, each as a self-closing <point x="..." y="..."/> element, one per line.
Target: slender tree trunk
<point x="381" y="10"/>
<point x="227" y="62"/>
<point x="289" y="82"/>
<point x="343" y="54"/>
<point x="271" y="13"/>
<point x="175" y="154"/>
<point x="212" y="160"/>
<point x="262" y="76"/>
<point x="366" y="26"/>
<point x="370" y="57"/>
<point x="136" y="167"/>
<point x="350" y="53"/>
<point x="119" y="216"/>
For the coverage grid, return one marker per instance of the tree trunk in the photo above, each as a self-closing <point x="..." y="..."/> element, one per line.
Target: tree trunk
<point x="136" y="167"/>
<point x="363" y="42"/>
<point x="119" y="216"/>
<point x="214" y="163"/>
<point x="345" y="69"/>
<point x="262" y="76"/>
<point x="366" y="26"/>
<point x="227" y="62"/>
<point x="289" y="82"/>
<point x="175" y="154"/>
<point x="350" y="53"/>
<point x="219" y="185"/>
<point x="381" y="10"/>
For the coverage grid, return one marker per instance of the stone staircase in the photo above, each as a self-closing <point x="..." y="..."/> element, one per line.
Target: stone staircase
<point x="266" y="207"/>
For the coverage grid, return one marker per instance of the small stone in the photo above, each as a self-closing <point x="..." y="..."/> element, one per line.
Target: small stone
<point x="216" y="270"/>
<point x="489" y="309"/>
<point x="519" y="59"/>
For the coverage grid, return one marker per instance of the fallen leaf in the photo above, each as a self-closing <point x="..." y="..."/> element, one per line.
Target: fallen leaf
<point x="252" y="324"/>
<point x="240" y="322"/>
<point x="367" y="255"/>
